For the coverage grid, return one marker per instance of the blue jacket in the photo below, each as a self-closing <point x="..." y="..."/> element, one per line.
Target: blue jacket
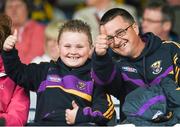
<point x="155" y="105"/>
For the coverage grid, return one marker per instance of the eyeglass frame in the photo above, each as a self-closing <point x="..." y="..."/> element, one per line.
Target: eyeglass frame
<point x="152" y="21"/>
<point x="118" y="34"/>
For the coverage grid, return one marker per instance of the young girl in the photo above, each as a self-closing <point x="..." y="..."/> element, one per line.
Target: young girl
<point x="66" y="94"/>
<point x="14" y="101"/>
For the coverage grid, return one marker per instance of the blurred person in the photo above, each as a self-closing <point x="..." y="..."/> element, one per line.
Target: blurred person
<point x="51" y="48"/>
<point x="2" y="5"/>
<point x="14" y="100"/>
<point x="30" y="33"/>
<point x="44" y="11"/>
<point x="175" y="4"/>
<point x="94" y="11"/>
<point x="65" y="89"/>
<point x="158" y="18"/>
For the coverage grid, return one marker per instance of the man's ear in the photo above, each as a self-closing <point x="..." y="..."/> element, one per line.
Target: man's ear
<point x="136" y="28"/>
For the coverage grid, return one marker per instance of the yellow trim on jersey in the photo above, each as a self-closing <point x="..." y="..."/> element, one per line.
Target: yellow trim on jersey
<point x="171" y="72"/>
<point x="177" y="44"/>
<point x="110" y="114"/>
<point x="175" y="58"/>
<point x="177" y="75"/>
<point x="177" y="69"/>
<point x="75" y="92"/>
<point x="178" y="88"/>
<point x="110" y="110"/>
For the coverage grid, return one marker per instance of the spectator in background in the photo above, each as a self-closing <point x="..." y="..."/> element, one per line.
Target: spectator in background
<point x="158" y="18"/>
<point x="14" y="101"/>
<point x="44" y="11"/>
<point x="30" y="33"/>
<point x="175" y="4"/>
<point x="51" y="48"/>
<point x="2" y="5"/>
<point x="94" y="11"/>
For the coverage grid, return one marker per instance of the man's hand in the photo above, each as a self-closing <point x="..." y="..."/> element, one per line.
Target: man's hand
<point x="101" y="44"/>
<point x="10" y="41"/>
<point x="70" y="114"/>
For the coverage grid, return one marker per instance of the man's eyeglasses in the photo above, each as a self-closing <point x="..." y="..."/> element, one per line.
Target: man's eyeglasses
<point x="151" y="20"/>
<point x="120" y="33"/>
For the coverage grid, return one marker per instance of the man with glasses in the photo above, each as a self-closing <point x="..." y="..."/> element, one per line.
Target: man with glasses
<point x="145" y="60"/>
<point x="158" y="18"/>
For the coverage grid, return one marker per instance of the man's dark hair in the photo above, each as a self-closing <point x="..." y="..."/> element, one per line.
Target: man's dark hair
<point x="112" y="13"/>
<point x="167" y="11"/>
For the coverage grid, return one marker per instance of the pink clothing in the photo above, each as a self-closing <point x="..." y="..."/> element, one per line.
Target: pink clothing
<point x="14" y="102"/>
<point x="30" y="41"/>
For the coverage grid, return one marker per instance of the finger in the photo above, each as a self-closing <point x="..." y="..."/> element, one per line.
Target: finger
<point x="103" y="30"/>
<point x="7" y="48"/>
<point x="102" y="45"/>
<point x="102" y="37"/>
<point x="15" y="33"/>
<point x="68" y="122"/>
<point x="11" y="40"/>
<point x="66" y="118"/>
<point x="68" y="110"/>
<point x="100" y="42"/>
<point x="10" y="45"/>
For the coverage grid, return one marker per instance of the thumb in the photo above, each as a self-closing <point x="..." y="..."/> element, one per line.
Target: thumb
<point x="102" y="30"/>
<point x="15" y="34"/>
<point x="74" y="105"/>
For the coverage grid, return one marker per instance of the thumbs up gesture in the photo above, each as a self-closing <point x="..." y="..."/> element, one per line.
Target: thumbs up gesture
<point x="101" y="44"/>
<point x="10" y="41"/>
<point x="70" y="114"/>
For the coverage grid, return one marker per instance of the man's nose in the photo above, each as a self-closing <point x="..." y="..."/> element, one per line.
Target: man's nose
<point x="117" y="41"/>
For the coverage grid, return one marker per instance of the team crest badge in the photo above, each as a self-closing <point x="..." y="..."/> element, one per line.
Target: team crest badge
<point x="156" y="67"/>
<point x="81" y="85"/>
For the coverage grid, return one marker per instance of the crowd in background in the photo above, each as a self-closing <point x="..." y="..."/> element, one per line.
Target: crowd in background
<point x="37" y="22"/>
<point x="45" y="11"/>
